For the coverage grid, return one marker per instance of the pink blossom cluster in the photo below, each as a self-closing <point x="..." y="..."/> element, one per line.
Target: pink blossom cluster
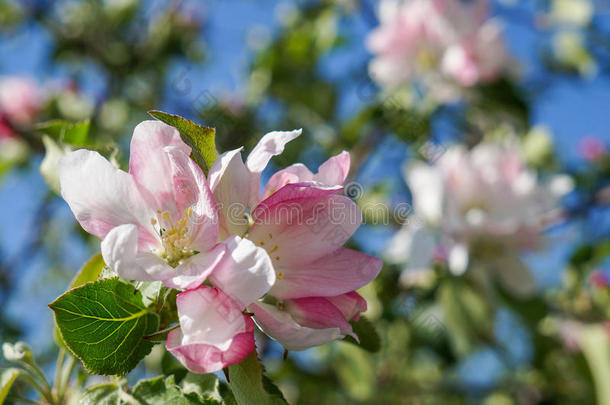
<point x="20" y="101"/>
<point x="240" y="256"/>
<point x="438" y="42"/>
<point x="473" y="206"/>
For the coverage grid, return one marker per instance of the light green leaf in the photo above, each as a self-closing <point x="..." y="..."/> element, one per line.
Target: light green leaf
<point x="596" y="349"/>
<point x="101" y="394"/>
<point x="72" y="133"/>
<point x="103" y="324"/>
<point x="7" y="378"/>
<point x="246" y="382"/>
<point x="162" y="390"/>
<point x="201" y="139"/>
<point x="366" y="332"/>
<point x="89" y="272"/>
<point x="206" y="385"/>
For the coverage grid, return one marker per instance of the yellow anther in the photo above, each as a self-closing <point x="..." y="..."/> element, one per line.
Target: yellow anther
<point x="274" y="249"/>
<point x="277" y="258"/>
<point x="262" y="243"/>
<point x="280" y="275"/>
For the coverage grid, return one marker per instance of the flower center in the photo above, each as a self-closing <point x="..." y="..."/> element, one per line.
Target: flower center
<point x="271" y="247"/>
<point x="175" y="237"/>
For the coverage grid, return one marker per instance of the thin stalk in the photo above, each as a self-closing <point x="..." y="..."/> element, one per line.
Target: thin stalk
<point x="58" y="368"/>
<point x="65" y="378"/>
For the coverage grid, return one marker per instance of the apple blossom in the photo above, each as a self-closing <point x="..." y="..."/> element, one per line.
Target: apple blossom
<point x="302" y="223"/>
<point x="157" y="222"/>
<point x="438" y="43"/>
<point x="482" y="203"/>
<point x="20" y="100"/>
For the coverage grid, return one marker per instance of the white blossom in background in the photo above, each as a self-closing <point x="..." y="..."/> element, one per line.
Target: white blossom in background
<point x="482" y="206"/>
<point x="441" y="44"/>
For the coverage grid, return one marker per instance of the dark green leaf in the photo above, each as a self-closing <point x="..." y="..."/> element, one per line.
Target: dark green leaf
<point x="248" y="386"/>
<point x="103" y="324"/>
<point x="89" y="272"/>
<point x="369" y="339"/>
<point x="201" y="139"/>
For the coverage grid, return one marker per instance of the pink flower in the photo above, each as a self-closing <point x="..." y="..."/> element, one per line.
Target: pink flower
<point x="478" y="59"/>
<point x="302" y="226"/>
<point x="213" y="332"/>
<point x="437" y="43"/>
<point x="599" y="279"/>
<point x="301" y="323"/>
<point x="20" y="100"/>
<point x="157" y="222"/>
<point x="592" y="149"/>
<point x="470" y="202"/>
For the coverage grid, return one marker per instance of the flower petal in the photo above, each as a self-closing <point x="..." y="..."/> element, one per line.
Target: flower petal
<point x="340" y="272"/>
<point x="213" y="332"/>
<point x="270" y="145"/>
<point x="318" y="313"/>
<point x="191" y="191"/>
<point x="296" y="173"/>
<point x="302" y="229"/>
<point x="102" y="196"/>
<point x="196" y="269"/>
<point x="246" y="273"/>
<point x="334" y="170"/>
<point x="350" y="304"/>
<point x="282" y="327"/>
<point x="120" y="253"/>
<point x="149" y="163"/>
<point x="230" y="183"/>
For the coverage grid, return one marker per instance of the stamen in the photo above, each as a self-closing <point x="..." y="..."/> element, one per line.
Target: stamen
<point x="274" y="249"/>
<point x="280" y="275"/>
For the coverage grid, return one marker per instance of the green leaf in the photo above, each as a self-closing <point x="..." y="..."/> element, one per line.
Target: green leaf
<point x="103" y="324"/>
<point x="7" y="378"/>
<point x="248" y="386"/>
<point x="206" y="385"/>
<point x="72" y="133"/>
<point x="596" y="349"/>
<point x="162" y="390"/>
<point x="89" y="272"/>
<point x="366" y="332"/>
<point x="201" y="139"/>
<point x="101" y="394"/>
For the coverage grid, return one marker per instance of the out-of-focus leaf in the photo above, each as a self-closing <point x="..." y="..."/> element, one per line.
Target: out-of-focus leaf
<point x="468" y="317"/>
<point x="101" y="394"/>
<point x="356" y="372"/>
<point x="201" y="139"/>
<point x="162" y="390"/>
<point x="366" y="332"/>
<point x="596" y="349"/>
<point x="7" y="378"/>
<point x="246" y="382"/>
<point x="71" y="133"/>
<point x="103" y="324"/>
